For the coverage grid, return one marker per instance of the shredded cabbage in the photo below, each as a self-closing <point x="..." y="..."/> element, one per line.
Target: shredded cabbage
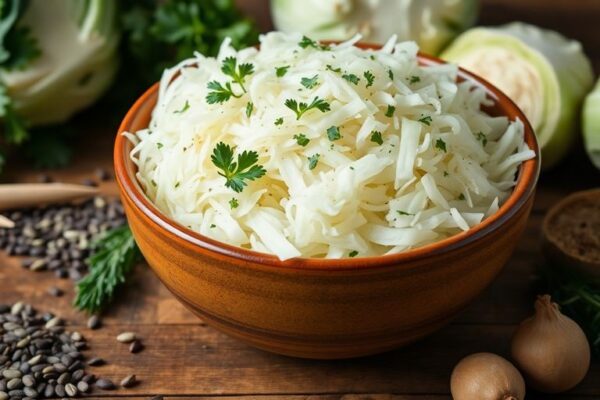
<point x="417" y="161"/>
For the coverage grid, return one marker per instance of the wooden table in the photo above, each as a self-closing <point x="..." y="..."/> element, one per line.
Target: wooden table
<point x="184" y="357"/>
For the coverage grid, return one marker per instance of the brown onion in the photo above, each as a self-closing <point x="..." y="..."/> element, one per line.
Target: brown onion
<point x="486" y="376"/>
<point x="551" y="349"/>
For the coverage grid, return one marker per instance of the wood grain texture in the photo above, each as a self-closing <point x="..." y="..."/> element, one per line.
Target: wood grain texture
<point x="228" y="370"/>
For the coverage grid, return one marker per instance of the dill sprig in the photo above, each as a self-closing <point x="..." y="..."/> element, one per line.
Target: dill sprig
<point x="114" y="255"/>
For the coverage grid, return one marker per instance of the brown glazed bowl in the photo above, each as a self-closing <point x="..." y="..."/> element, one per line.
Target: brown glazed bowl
<point x="318" y="308"/>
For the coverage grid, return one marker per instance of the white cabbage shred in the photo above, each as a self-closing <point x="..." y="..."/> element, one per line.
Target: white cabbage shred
<point x="444" y="165"/>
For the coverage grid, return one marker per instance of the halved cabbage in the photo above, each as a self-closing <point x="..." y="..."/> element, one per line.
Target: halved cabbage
<point x="546" y="74"/>
<point x="431" y="23"/>
<point x="591" y="125"/>
<point x="77" y="40"/>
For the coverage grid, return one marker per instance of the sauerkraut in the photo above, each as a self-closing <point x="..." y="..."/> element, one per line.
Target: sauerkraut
<point x="394" y="155"/>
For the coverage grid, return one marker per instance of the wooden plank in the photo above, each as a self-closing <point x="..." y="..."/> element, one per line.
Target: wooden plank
<point x="197" y="360"/>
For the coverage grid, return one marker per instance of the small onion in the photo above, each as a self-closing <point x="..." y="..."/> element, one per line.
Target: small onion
<point x="551" y="349"/>
<point x="486" y="376"/>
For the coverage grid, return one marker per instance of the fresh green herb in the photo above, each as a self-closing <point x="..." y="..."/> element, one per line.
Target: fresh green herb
<point x="333" y="133"/>
<point x="390" y="111"/>
<point x="446" y="173"/>
<point x="301" y="108"/>
<point x="301" y="139"/>
<point x="482" y="138"/>
<point x="219" y="94"/>
<point x="237" y="72"/>
<point x="278" y="121"/>
<point x="212" y="226"/>
<point x="426" y="120"/>
<point x="159" y="145"/>
<point x="372" y="57"/>
<point x="236" y="173"/>
<point x="330" y="68"/>
<point x="376" y="137"/>
<point x="153" y="182"/>
<point x="440" y="144"/>
<point x="183" y="109"/>
<point x="313" y="161"/>
<point x="351" y="78"/>
<point x="391" y="74"/>
<point x="177" y="184"/>
<point x="233" y="203"/>
<point x="400" y="212"/>
<point x="308" y="42"/>
<point x="249" y="109"/>
<point x="281" y="71"/>
<point x="113" y="257"/>
<point x="353" y="253"/>
<point x="415" y="79"/>
<point x="310" y="83"/>
<point x="369" y="77"/>
<point x="461" y="197"/>
<point x="578" y="297"/>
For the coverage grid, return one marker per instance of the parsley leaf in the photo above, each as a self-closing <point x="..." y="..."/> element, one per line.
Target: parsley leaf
<point x="353" y="253"/>
<point x="310" y="83"/>
<point x="414" y="79"/>
<point x="333" y="133"/>
<point x="313" y="161"/>
<point x="301" y="139"/>
<point x="482" y="138"/>
<point x="376" y="137"/>
<point x="308" y="42"/>
<point x="390" y="111"/>
<point x="391" y="74"/>
<point x="237" y="72"/>
<point x="369" y="77"/>
<point x="281" y="71"/>
<point x="249" y="109"/>
<point x="426" y="120"/>
<point x="400" y="212"/>
<point x="183" y="109"/>
<point x="301" y="108"/>
<point x="440" y="144"/>
<point x="278" y="121"/>
<point x="330" y="68"/>
<point x="461" y="197"/>
<point x="20" y="49"/>
<point x="236" y="173"/>
<point x="159" y="145"/>
<point x="219" y="94"/>
<point x="351" y="78"/>
<point x="233" y="203"/>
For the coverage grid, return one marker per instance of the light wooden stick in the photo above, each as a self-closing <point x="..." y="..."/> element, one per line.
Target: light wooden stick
<point x="34" y="194"/>
<point x="5" y="222"/>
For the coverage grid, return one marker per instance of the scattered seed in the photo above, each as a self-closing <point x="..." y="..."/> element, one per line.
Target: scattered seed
<point x="96" y="362"/>
<point x="126" y="337"/>
<point x="12" y="373"/>
<point x="94" y="322"/>
<point x="83" y="387"/>
<point x="55" y="292"/>
<point x="129" y="381"/>
<point x="60" y="390"/>
<point x="136" y="346"/>
<point x="105" y="384"/>
<point x="3" y="395"/>
<point x="71" y="390"/>
<point x="56" y="321"/>
<point x="30" y="392"/>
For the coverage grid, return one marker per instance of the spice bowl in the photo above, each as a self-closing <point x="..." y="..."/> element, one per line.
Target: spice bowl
<point x="320" y="308"/>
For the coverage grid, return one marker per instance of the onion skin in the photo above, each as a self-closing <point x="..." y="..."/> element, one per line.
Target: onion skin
<point x="550" y="349"/>
<point x="486" y="376"/>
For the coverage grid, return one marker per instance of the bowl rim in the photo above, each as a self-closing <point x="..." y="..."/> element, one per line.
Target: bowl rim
<point x="527" y="178"/>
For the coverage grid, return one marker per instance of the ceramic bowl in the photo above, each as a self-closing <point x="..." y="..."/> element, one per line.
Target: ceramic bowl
<point x="327" y="309"/>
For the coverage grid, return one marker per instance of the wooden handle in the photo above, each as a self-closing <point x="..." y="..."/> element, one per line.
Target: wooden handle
<point x="34" y="194"/>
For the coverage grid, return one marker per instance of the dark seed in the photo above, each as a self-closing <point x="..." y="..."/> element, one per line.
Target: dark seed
<point x="129" y="381"/>
<point x="83" y="387"/>
<point x="94" y="322"/>
<point x="136" y="346"/>
<point x="28" y="380"/>
<point x="105" y="384"/>
<point x="49" y="390"/>
<point x="96" y="361"/>
<point x="60" y="390"/>
<point x="54" y="291"/>
<point x="30" y="392"/>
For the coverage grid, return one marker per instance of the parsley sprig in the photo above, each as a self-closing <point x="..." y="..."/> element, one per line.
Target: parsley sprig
<point x="300" y="108"/>
<point x="236" y="173"/>
<point x="220" y="93"/>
